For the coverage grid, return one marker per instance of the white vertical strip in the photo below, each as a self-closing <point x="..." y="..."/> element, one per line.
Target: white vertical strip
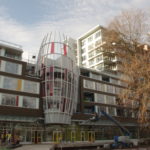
<point x="20" y="104"/>
<point x="20" y="69"/>
<point x="37" y="87"/>
<point x="3" y="65"/>
<point x="2" y="52"/>
<point x="0" y="98"/>
<point x="2" y="82"/>
<point x="37" y="103"/>
<point x="22" y="86"/>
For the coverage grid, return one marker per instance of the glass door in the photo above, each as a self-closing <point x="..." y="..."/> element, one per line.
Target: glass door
<point x="91" y="136"/>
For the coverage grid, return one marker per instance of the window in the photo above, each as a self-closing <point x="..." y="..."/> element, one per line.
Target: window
<point x="97" y="34"/>
<point x="118" y="90"/>
<point x="110" y="100"/>
<point x="89" y="84"/>
<point x="99" y="58"/>
<point x="112" y="111"/>
<point x="12" y="68"/>
<point x="12" y="55"/>
<point x="89" y="96"/>
<point x="83" y="58"/>
<point x="30" y="102"/>
<point x="97" y="43"/>
<point x="110" y="88"/>
<point x="100" y="87"/>
<point x="90" y="38"/>
<point x="83" y="42"/>
<point x="83" y="50"/>
<point x="98" y="51"/>
<point x="100" y="66"/>
<point x="91" y="62"/>
<point x="85" y="73"/>
<point x="114" y="81"/>
<point x="90" y="46"/>
<point x="10" y="83"/>
<point x="9" y="100"/>
<point x="105" y="78"/>
<point x="31" y="87"/>
<point x="96" y="76"/>
<point x="101" y="98"/>
<point x="91" y="54"/>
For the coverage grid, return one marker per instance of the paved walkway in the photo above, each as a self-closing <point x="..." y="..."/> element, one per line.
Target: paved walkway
<point x="36" y="147"/>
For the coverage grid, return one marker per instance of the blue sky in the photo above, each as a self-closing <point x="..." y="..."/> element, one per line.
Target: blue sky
<point x="25" y="22"/>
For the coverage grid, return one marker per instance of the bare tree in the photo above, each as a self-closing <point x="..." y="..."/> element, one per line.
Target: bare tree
<point x="128" y="31"/>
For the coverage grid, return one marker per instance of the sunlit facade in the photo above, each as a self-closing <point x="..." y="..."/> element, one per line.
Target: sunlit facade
<point x="59" y="73"/>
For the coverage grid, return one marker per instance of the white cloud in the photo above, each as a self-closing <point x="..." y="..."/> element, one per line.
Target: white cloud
<point x="70" y="17"/>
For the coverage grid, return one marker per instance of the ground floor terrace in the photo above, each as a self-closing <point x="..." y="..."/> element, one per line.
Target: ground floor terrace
<point x="29" y="133"/>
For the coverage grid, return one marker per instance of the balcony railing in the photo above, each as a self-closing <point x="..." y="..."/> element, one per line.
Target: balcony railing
<point x="9" y="44"/>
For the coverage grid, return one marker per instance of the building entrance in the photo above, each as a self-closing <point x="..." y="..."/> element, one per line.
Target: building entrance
<point x="57" y="136"/>
<point x="82" y="135"/>
<point x="5" y="134"/>
<point x="36" y="136"/>
<point x="91" y="136"/>
<point x="73" y="136"/>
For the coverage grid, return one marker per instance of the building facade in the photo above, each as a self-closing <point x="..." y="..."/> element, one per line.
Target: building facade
<point x="55" y="102"/>
<point x="20" y="104"/>
<point x="91" y="52"/>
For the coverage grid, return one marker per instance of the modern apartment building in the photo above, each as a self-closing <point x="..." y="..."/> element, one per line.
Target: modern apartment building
<point x="20" y="104"/>
<point x="90" y="51"/>
<point x="57" y="104"/>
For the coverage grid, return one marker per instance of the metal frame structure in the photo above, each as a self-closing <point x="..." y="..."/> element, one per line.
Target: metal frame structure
<point x="57" y="67"/>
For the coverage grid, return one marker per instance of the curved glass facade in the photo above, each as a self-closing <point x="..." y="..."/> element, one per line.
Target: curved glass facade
<point x="57" y="68"/>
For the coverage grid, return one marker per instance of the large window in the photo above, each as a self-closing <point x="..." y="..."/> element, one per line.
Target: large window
<point x="100" y="87"/>
<point x="110" y="100"/>
<point x="89" y="84"/>
<point x="83" y="42"/>
<point x="91" y="54"/>
<point x="110" y="88"/>
<point x="99" y="58"/>
<point x="12" y="68"/>
<point x="30" y="102"/>
<point x="100" y="66"/>
<point x="97" y="34"/>
<point x="97" y="43"/>
<point x="91" y="62"/>
<point x="83" y="58"/>
<point x="90" y="46"/>
<point x="31" y="87"/>
<point x="83" y="50"/>
<point x="100" y="98"/>
<point x="10" y="83"/>
<point x="90" y="38"/>
<point x="9" y="100"/>
<point x="112" y="111"/>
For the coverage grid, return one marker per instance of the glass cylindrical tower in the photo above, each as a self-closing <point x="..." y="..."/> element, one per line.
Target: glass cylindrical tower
<point x="56" y="65"/>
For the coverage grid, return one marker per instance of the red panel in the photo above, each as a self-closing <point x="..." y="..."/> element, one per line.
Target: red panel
<point x="52" y="47"/>
<point x="51" y="72"/>
<point x="65" y="49"/>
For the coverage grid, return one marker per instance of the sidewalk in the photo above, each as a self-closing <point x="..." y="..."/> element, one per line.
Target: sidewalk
<point x="36" y="147"/>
